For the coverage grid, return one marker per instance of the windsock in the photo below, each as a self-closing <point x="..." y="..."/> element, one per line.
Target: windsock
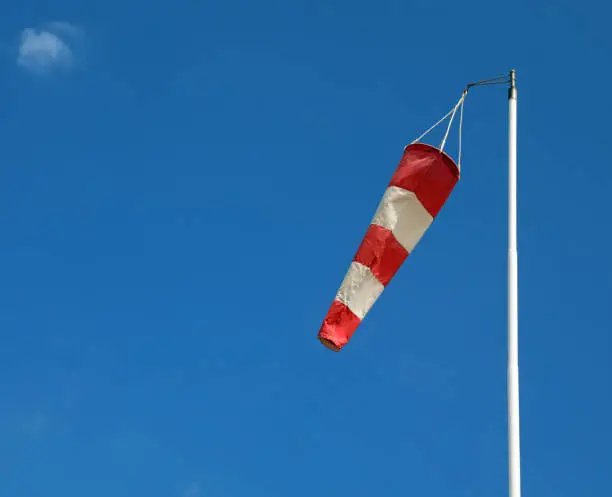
<point x="423" y="180"/>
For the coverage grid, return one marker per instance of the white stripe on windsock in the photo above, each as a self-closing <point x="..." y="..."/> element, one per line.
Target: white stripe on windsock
<point x="359" y="290"/>
<point x="401" y="212"/>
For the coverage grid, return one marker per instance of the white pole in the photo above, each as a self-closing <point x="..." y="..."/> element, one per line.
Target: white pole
<point x="514" y="456"/>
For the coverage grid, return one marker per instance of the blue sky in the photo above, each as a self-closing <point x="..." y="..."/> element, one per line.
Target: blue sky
<point x="182" y="187"/>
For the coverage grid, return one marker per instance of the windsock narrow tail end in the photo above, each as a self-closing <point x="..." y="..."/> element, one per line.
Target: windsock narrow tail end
<point x="338" y="326"/>
<point x="329" y="344"/>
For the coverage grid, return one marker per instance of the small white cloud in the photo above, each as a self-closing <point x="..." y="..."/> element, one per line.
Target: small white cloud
<point x="41" y="50"/>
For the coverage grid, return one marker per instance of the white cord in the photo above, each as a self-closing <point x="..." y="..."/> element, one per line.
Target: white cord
<point x="451" y="113"/>
<point x="450" y="123"/>
<point x="430" y="129"/>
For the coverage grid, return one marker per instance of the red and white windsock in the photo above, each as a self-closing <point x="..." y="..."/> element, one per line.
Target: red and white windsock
<point x="417" y="191"/>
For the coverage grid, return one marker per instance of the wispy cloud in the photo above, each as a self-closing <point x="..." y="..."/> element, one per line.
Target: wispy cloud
<point x="46" y="48"/>
<point x="64" y="27"/>
<point x="192" y="490"/>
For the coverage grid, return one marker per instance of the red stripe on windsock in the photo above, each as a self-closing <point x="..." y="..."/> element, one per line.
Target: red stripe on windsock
<point x="338" y="326"/>
<point x="429" y="173"/>
<point x="381" y="252"/>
